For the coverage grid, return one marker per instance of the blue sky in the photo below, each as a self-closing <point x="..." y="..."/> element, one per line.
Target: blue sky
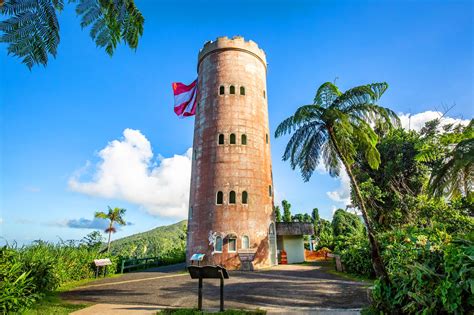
<point x="56" y="120"/>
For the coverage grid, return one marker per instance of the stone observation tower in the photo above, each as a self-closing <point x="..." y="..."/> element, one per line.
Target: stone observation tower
<point x="231" y="200"/>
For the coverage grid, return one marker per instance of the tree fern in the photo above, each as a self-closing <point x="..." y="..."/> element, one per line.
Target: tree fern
<point x="31" y="27"/>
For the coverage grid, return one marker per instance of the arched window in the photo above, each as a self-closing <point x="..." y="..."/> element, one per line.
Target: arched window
<point x="244" y="139"/>
<point x="232" y="89"/>
<point x="245" y="242"/>
<point x="220" y="198"/>
<point x="264" y="96"/>
<point x="221" y="139"/>
<point x="218" y="244"/>
<point x="272" y="229"/>
<point x="232" y="138"/>
<point x="242" y="90"/>
<point x="270" y="190"/>
<point x="266" y="137"/>
<point x="245" y="197"/>
<point x="232" y="244"/>
<point x="221" y="90"/>
<point x="232" y="197"/>
<point x="190" y="212"/>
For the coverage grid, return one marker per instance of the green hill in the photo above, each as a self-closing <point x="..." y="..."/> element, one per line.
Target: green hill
<point x="167" y="242"/>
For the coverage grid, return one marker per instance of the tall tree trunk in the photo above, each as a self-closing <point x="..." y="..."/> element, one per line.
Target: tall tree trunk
<point x="110" y="234"/>
<point x="375" y="253"/>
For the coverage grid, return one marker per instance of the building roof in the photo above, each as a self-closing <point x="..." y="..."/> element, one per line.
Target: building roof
<point x="294" y="228"/>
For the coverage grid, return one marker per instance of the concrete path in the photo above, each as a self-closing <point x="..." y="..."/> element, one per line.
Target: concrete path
<point x="287" y="288"/>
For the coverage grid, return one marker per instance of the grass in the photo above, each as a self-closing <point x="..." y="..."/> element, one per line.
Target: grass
<point x="193" y="311"/>
<point x="52" y="303"/>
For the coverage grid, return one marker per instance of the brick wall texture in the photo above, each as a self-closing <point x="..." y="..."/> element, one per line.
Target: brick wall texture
<point x="231" y="167"/>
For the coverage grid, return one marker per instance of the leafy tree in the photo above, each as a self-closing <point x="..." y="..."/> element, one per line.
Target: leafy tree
<point x="286" y="211"/>
<point x="391" y="191"/>
<point x="299" y="217"/>
<point x="114" y="216"/>
<point x="93" y="240"/>
<point x="345" y="224"/>
<point x="31" y="27"/>
<point x="336" y="127"/>
<point x="277" y="214"/>
<point x="316" y="223"/>
<point x="307" y="218"/>
<point x="326" y="238"/>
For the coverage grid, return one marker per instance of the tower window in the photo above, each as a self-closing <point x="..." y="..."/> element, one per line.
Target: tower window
<point x="266" y="138"/>
<point x="232" y="89"/>
<point x="270" y="190"/>
<point x="244" y="139"/>
<point x="242" y="90"/>
<point x="221" y="139"/>
<point x="264" y="94"/>
<point x="245" y="242"/>
<point x="232" y="138"/>
<point x="221" y="90"/>
<point x="245" y="197"/>
<point x="220" y="198"/>
<point x="232" y="197"/>
<point x="232" y="245"/>
<point x="190" y="212"/>
<point x="218" y="244"/>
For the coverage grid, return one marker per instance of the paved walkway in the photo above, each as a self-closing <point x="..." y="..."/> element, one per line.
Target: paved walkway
<point x="298" y="288"/>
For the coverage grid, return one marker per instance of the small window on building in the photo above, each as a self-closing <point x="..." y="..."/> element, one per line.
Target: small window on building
<point x="195" y="155"/>
<point x="232" y="245"/>
<point x="232" y="197"/>
<point x="190" y="212"/>
<point x="245" y="242"/>
<point x="244" y="139"/>
<point x="264" y="94"/>
<point x="242" y="90"/>
<point x="232" y="89"/>
<point x="218" y="244"/>
<point x="220" y="198"/>
<point x="245" y="197"/>
<point x="221" y="139"/>
<point x="232" y="138"/>
<point x="270" y="190"/>
<point x="266" y="138"/>
<point x="221" y="90"/>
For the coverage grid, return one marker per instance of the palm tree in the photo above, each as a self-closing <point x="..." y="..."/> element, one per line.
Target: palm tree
<point x="455" y="176"/>
<point x="114" y="216"/>
<point x="31" y="29"/>
<point x="335" y="127"/>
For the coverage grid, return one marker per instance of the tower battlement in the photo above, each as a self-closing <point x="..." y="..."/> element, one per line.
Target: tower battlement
<point x="234" y="43"/>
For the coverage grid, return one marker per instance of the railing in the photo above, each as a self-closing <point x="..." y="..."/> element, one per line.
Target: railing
<point x="138" y="263"/>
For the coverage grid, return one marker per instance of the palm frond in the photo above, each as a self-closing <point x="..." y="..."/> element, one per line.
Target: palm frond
<point x="331" y="160"/>
<point x="112" y="22"/>
<point x="101" y="215"/>
<point x="32" y="30"/>
<point x="326" y="94"/>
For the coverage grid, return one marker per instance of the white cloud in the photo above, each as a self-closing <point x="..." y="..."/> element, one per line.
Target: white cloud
<point x="343" y="193"/>
<point x="417" y="121"/>
<point x="127" y="171"/>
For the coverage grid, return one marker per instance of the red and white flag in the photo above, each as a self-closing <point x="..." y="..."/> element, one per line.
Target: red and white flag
<point x="185" y="98"/>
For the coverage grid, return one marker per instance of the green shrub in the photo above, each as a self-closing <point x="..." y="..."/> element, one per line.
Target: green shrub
<point x="28" y="272"/>
<point x="429" y="273"/>
<point x="355" y="255"/>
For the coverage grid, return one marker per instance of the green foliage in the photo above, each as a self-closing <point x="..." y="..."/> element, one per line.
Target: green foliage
<point x="390" y="192"/>
<point x="167" y="242"/>
<point x="31" y="27"/>
<point x="346" y="224"/>
<point x="326" y="237"/>
<point x="355" y="254"/>
<point x="29" y="272"/>
<point x="286" y="211"/>
<point x="278" y="217"/>
<point x="316" y="219"/>
<point x="115" y="216"/>
<point x="430" y="273"/>
<point x="451" y="157"/>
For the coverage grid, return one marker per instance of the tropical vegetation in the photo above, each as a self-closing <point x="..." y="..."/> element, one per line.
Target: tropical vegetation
<point x="414" y="191"/>
<point x="114" y="216"/>
<point x="32" y="31"/>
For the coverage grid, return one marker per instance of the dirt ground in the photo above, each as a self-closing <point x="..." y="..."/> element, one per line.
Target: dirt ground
<point x="296" y="287"/>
